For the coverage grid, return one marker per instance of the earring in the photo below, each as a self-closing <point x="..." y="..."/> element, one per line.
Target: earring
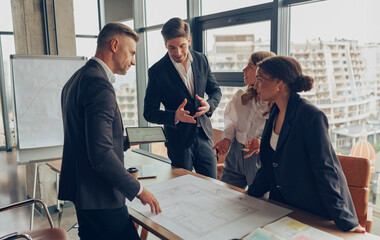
<point x="278" y="89"/>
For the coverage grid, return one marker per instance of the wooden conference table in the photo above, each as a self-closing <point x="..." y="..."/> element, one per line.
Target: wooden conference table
<point x="166" y="172"/>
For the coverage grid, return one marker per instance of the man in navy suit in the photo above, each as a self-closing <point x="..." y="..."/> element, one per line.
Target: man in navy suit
<point x="93" y="175"/>
<point x="179" y="81"/>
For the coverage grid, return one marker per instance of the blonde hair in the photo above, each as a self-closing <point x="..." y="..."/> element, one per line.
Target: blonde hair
<point x="112" y="29"/>
<point x="251" y="92"/>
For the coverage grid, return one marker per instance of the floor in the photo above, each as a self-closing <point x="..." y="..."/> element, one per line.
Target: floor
<point x="13" y="189"/>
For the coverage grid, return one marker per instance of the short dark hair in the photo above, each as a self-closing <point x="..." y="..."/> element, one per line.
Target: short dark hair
<point x="175" y="28"/>
<point x="110" y="30"/>
<point x="288" y="70"/>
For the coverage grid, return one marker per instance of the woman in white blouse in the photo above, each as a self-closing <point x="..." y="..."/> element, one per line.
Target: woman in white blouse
<point x="244" y="119"/>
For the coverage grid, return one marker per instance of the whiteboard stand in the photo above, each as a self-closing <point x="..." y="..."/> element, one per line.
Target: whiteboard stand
<point x="37" y="156"/>
<point x="34" y="194"/>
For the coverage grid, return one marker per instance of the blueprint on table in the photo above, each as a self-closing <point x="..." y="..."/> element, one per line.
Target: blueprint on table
<point x="194" y="208"/>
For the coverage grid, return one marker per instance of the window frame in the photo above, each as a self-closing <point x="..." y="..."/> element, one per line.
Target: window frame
<point x="4" y="101"/>
<point x="253" y="14"/>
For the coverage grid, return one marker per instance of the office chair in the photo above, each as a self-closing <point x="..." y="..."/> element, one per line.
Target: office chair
<point x="40" y="234"/>
<point x="217" y="137"/>
<point x="357" y="172"/>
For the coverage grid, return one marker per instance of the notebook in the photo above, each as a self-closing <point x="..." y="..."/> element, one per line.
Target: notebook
<point x="146" y="171"/>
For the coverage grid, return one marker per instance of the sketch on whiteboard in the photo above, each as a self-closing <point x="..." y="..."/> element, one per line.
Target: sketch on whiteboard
<point x="38" y="83"/>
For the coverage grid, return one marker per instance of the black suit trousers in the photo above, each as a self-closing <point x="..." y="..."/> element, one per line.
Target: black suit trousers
<point x="104" y="224"/>
<point x="198" y="155"/>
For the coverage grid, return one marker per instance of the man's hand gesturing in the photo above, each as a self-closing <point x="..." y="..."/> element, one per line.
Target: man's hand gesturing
<point x="205" y="106"/>
<point x="182" y="115"/>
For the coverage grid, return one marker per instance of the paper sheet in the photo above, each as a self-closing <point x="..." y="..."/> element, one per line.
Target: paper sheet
<point x="289" y="228"/>
<point x="194" y="208"/>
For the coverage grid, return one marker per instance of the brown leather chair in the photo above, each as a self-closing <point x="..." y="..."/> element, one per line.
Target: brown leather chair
<point x="217" y="137"/>
<point x="357" y="172"/>
<point x="40" y="234"/>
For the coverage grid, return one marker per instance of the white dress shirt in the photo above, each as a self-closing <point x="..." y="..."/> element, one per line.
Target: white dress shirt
<point x="244" y="122"/>
<point x="111" y="77"/>
<point x="186" y="74"/>
<point x="274" y="137"/>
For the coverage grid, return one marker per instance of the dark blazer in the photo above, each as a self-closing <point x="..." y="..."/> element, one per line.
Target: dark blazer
<point x="167" y="87"/>
<point x="93" y="175"/>
<point x="304" y="167"/>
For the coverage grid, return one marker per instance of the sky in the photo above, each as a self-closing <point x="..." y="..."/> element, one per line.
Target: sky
<point x="350" y="19"/>
<point x="327" y="20"/>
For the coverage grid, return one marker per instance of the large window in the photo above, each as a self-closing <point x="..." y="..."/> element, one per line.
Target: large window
<point x="126" y="93"/>
<point x="158" y="12"/>
<point x="155" y="46"/>
<point x="86" y="17"/>
<point x="216" y="6"/>
<point x="155" y="51"/>
<point x="7" y="48"/>
<point x="217" y="119"/>
<point x="228" y="48"/>
<point x="228" y="39"/>
<point x="343" y="59"/>
<point x="6" y="23"/>
<point x="342" y="54"/>
<point x="86" y="27"/>
<point x="86" y="46"/>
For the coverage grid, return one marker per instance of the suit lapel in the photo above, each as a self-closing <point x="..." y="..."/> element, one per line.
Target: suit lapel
<point x="288" y="121"/>
<point x="176" y="78"/>
<point x="195" y="74"/>
<point x="93" y="63"/>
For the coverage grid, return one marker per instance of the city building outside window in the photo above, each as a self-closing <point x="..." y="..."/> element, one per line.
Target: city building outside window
<point x="228" y="50"/>
<point x="342" y="54"/>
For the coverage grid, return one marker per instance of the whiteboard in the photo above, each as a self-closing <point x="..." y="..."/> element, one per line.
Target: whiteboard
<point x="37" y="86"/>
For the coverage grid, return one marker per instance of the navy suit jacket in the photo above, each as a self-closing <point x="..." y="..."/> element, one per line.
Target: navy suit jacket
<point x="167" y="87"/>
<point x="304" y="167"/>
<point x="93" y="175"/>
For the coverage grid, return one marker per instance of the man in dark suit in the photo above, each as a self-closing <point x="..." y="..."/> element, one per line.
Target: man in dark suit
<point x="179" y="81"/>
<point x="93" y="175"/>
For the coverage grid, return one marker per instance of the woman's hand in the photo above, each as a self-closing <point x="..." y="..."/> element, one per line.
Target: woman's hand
<point x="251" y="147"/>
<point x="222" y="146"/>
<point x="358" y="229"/>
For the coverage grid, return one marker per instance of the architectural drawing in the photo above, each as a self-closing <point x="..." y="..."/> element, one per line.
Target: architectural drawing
<point x="194" y="208"/>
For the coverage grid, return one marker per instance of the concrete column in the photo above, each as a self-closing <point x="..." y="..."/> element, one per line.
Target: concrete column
<point x="29" y="27"/>
<point x="36" y="35"/>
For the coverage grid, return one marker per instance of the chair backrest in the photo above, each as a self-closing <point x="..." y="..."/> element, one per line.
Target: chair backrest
<point x="40" y="234"/>
<point x="217" y="137"/>
<point x="357" y="172"/>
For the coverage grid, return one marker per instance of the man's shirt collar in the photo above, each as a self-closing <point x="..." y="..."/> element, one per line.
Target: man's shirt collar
<point x="111" y="77"/>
